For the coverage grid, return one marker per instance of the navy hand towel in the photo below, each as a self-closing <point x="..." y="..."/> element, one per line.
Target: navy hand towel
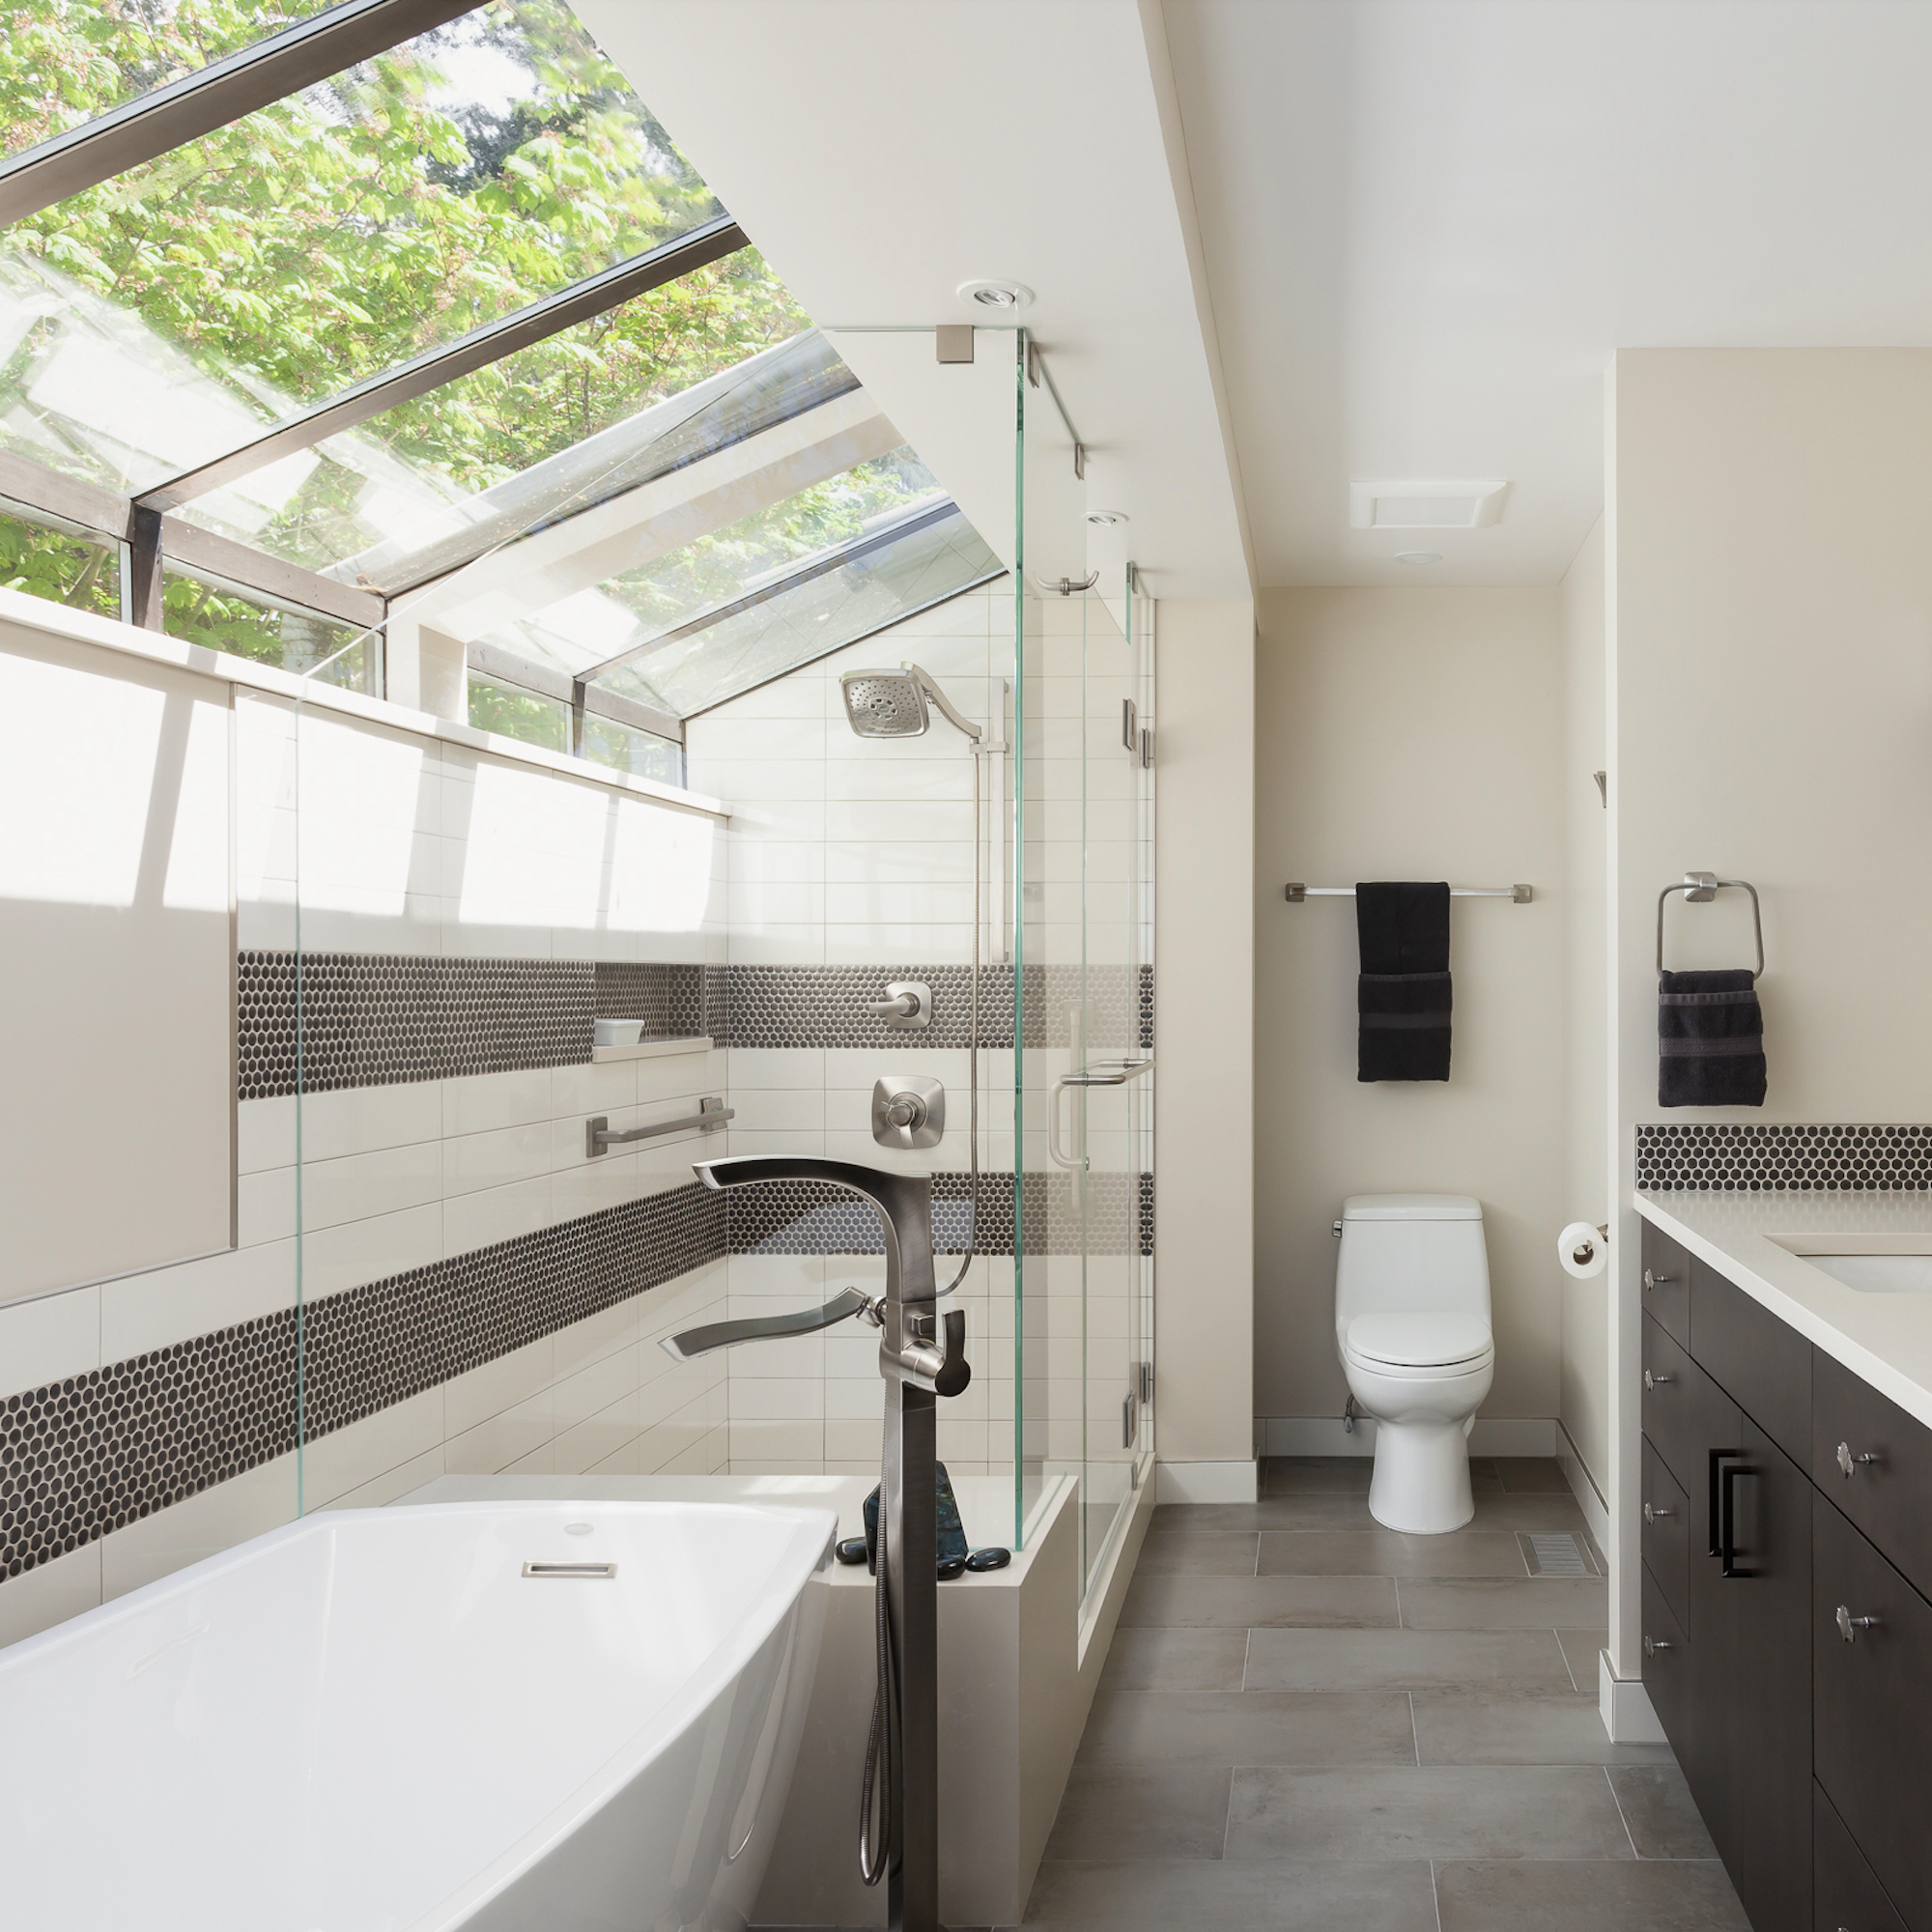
<point x="1403" y="993"/>
<point x="1710" y="1041"/>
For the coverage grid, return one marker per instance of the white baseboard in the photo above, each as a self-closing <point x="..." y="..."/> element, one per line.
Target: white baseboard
<point x="1625" y="1706"/>
<point x="1325" y="1436"/>
<point x="1583" y="1486"/>
<point x="1207" y="1482"/>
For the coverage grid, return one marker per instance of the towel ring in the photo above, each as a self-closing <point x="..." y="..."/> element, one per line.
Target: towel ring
<point x="1700" y="888"/>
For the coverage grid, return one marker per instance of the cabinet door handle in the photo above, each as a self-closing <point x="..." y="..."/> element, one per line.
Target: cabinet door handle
<point x="1848" y="1463"/>
<point x="1651" y="1280"/>
<point x="1727" y="1551"/>
<point x="1652" y="1380"/>
<point x="1653" y="1644"/>
<point x="1717" y="1456"/>
<point x="1652" y="1514"/>
<point x="1850" y="1625"/>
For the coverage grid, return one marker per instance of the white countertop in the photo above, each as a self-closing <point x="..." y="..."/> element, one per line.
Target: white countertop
<point x="1886" y="1339"/>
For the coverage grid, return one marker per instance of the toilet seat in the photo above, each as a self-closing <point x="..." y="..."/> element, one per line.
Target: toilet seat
<point x="1420" y="1343"/>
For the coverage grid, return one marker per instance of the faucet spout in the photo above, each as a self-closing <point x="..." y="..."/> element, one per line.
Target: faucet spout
<point x="903" y="1203"/>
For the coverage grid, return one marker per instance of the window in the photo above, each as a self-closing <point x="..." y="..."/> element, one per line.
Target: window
<point x="61" y="562"/>
<point x="223" y="617"/>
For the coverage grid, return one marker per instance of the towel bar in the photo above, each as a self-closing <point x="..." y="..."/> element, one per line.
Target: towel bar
<point x="1700" y="888"/>
<point x="599" y="1137"/>
<point x="1519" y="895"/>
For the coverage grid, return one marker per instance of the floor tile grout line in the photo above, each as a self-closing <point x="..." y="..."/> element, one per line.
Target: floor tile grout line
<point x="1567" y="1664"/>
<point x="1435" y="1894"/>
<point x="1622" y="1819"/>
<point x="1414" y="1735"/>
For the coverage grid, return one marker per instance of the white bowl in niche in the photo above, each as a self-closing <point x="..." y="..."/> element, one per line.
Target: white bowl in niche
<point x="620" y="1032"/>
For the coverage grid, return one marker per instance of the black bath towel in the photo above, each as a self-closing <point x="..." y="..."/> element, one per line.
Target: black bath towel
<point x="1710" y="1041"/>
<point x="1402" y="994"/>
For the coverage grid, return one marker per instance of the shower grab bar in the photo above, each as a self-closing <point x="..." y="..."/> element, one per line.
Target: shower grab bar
<point x="599" y="1137"/>
<point x="1700" y="888"/>
<point x="1125" y="1070"/>
<point x="1519" y="895"/>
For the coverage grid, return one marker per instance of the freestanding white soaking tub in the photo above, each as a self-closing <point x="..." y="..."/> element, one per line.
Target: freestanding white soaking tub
<point x="399" y="1719"/>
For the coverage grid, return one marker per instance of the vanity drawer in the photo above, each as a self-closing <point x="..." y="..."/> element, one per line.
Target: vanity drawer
<point x="1870" y="1700"/>
<point x="1666" y="1533"/>
<point x="1888" y="1498"/>
<point x="1846" y="1897"/>
<point x="1668" y="1675"/>
<point x="1686" y="1415"/>
<point x="1667" y="1285"/>
<point x="1761" y="1362"/>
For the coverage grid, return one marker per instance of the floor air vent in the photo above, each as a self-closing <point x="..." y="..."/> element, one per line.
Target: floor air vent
<point x="1553" y="1555"/>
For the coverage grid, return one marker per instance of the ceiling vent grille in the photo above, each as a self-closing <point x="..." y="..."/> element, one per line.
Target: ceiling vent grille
<point x="1425" y="506"/>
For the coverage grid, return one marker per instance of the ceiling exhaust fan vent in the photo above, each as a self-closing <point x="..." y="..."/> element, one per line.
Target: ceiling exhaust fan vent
<point x="1425" y="506"/>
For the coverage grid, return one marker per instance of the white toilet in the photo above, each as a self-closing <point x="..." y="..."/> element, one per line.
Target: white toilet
<point x="1412" y="1329"/>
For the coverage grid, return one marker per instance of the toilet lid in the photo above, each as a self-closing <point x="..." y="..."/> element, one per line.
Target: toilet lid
<point x="1418" y="1341"/>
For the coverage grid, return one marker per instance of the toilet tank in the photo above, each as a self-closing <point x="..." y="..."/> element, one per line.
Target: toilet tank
<point x="1410" y="1254"/>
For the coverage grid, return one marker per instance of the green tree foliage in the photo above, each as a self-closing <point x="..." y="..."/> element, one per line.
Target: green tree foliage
<point x="71" y="570"/>
<point x="386" y="211"/>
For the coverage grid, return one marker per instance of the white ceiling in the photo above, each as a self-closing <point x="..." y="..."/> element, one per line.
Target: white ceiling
<point x="880" y="152"/>
<point x="1428" y="223"/>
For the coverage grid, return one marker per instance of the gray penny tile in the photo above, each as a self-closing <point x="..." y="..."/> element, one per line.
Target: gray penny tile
<point x="1299" y="1475"/>
<point x="1476" y="1602"/>
<point x="1532" y="1475"/>
<point x="1254" y="1895"/>
<point x="1249" y="1727"/>
<point x="1404" y="1660"/>
<point x="1176" y="1657"/>
<point x="1388" y="1552"/>
<point x="1143" y="1811"/>
<point x="1662" y="1814"/>
<point x="1253" y="1602"/>
<point x="1580" y="1650"/>
<point x="1192" y="1555"/>
<point x="1426" y="1812"/>
<point x="1519" y="1727"/>
<point x="1588" y="1898"/>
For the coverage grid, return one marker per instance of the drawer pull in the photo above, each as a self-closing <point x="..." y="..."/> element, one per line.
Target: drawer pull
<point x="1652" y="1514"/>
<point x="1651" y="1280"/>
<point x="1653" y="1644"/>
<point x="1848" y="1463"/>
<point x="1850" y="1625"/>
<point x="1652" y="1380"/>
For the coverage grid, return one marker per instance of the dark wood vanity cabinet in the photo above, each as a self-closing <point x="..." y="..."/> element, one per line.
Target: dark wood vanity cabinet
<point x="1805" y="1734"/>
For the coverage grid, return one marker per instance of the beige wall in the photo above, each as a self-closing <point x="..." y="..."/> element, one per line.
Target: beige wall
<point x="1584" y="1406"/>
<point x="1770" y="687"/>
<point x="1204" y="1033"/>
<point x="1406" y="734"/>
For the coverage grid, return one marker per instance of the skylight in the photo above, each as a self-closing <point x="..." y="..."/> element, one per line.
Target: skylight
<point x="454" y="327"/>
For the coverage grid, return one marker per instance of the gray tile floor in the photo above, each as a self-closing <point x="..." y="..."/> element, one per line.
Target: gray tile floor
<point x="1309" y="1721"/>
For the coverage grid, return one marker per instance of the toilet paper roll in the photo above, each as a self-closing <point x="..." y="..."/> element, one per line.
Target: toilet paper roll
<point x="1582" y="1250"/>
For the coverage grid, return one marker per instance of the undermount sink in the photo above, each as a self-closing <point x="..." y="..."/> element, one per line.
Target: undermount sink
<point x="1878" y="1274"/>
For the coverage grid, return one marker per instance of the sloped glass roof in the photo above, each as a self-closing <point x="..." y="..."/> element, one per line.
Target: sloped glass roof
<point x="253" y="286"/>
<point x="62" y="66"/>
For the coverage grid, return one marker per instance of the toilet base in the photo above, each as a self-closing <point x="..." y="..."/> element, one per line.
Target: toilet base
<point x="1421" y="1482"/>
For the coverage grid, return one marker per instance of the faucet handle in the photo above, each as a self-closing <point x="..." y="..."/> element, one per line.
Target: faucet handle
<point x="910" y="1351"/>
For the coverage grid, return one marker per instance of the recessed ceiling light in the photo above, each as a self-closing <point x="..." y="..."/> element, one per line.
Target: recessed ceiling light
<point x="1106" y="516"/>
<point x="1418" y="557"/>
<point x="1003" y="295"/>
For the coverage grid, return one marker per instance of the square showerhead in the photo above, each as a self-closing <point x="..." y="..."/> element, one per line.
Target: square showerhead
<point x="884" y="703"/>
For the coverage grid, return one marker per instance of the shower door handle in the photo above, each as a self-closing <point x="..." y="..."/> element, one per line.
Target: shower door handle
<point x="1077" y="1164"/>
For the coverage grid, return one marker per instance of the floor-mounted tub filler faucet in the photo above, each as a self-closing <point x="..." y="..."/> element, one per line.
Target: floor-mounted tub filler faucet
<point x="921" y="1356"/>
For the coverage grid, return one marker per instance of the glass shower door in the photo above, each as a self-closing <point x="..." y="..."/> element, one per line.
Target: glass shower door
<point x="1085" y="1073"/>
